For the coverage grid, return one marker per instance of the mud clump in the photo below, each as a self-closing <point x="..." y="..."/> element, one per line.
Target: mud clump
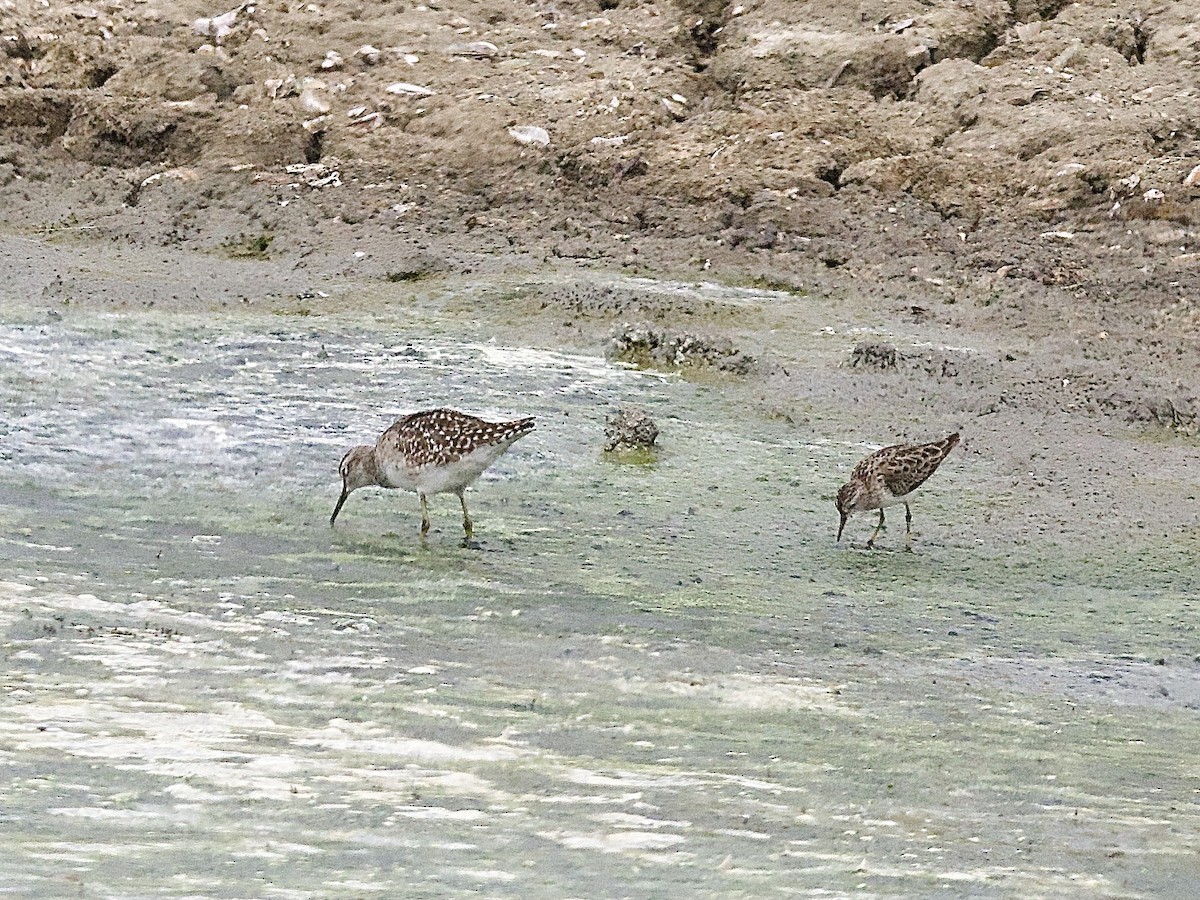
<point x="651" y="347"/>
<point x="609" y="301"/>
<point x="1156" y="409"/>
<point x="886" y="358"/>
<point x="630" y="428"/>
<point x="874" y="356"/>
<point x="419" y="266"/>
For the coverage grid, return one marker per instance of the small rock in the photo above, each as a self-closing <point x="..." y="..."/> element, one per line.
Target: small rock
<point x="368" y="54"/>
<point x="629" y="428"/>
<point x="311" y="99"/>
<point x="1028" y="31"/>
<point x="1193" y="178"/>
<point x="919" y="56"/>
<point x="475" y="50"/>
<point x="646" y="345"/>
<point x="1131" y="182"/>
<point x="530" y="135"/>
<point x="216" y="27"/>
<point x="333" y="179"/>
<point x="1065" y="58"/>
<point x="369" y="120"/>
<point x="410" y="90"/>
<point x="332" y="60"/>
<point x="276" y="87"/>
<point x="674" y="110"/>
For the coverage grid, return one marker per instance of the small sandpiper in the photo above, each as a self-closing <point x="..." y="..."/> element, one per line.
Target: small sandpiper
<point x="888" y="476"/>
<point x="437" y="451"/>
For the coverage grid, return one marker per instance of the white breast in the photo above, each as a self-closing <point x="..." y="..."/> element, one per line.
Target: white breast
<point x="890" y="499"/>
<point x="450" y="478"/>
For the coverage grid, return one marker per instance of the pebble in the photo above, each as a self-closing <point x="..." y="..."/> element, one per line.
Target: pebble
<point x="475" y="49"/>
<point x="404" y="88"/>
<point x="216" y="27"/>
<point x="368" y="54"/>
<point x="311" y="99"/>
<point x="530" y="135"/>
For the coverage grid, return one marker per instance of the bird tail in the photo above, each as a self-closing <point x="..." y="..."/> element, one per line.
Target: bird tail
<point x="947" y="444"/>
<point x="518" y="428"/>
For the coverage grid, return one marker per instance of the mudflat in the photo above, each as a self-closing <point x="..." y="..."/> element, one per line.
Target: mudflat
<point x="238" y="241"/>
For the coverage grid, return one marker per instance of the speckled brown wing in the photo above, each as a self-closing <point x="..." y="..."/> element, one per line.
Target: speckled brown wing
<point x="906" y="467"/>
<point x="438" y="437"/>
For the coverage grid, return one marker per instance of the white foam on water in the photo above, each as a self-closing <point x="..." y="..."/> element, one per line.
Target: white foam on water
<point x="397" y="784"/>
<point x="616" y="842"/>
<point x="487" y="875"/>
<point x="28" y="545"/>
<point x="438" y="813"/>
<point x="742" y="833"/>
<point x="353" y="884"/>
<point x="751" y="692"/>
<point x="527" y="358"/>
<point x="628" y="820"/>
<point x="584" y="799"/>
<point x="313" y="664"/>
<point x="631" y="779"/>
<point x="130" y="817"/>
<point x="409" y="749"/>
<point x="279" y="850"/>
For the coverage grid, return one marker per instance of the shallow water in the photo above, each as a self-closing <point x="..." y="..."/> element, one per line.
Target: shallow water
<point x="644" y="680"/>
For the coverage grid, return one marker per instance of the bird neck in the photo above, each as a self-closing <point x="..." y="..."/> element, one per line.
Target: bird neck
<point x="372" y="471"/>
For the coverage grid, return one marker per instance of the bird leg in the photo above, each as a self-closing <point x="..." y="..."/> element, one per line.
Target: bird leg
<point x="424" y="516"/>
<point x="468" y="525"/>
<point x="907" y="528"/>
<point x="875" y="533"/>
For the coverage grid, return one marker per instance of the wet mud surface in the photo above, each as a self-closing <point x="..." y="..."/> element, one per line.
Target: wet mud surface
<point x="653" y="677"/>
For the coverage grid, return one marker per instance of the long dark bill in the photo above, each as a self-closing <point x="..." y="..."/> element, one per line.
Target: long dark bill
<point x="840" y="526"/>
<point x="337" y="509"/>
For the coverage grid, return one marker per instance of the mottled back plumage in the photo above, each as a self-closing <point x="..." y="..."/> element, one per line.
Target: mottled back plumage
<point x="439" y="437"/>
<point x="904" y="467"/>
<point x="431" y="452"/>
<point x="889" y="475"/>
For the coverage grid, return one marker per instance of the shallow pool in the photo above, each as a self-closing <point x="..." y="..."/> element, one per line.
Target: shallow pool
<point x="645" y="680"/>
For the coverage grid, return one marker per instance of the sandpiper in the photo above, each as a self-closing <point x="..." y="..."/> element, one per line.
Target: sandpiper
<point x="436" y="451"/>
<point x="888" y="476"/>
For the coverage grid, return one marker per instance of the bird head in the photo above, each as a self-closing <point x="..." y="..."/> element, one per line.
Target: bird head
<point x="847" y="498"/>
<point x="358" y="469"/>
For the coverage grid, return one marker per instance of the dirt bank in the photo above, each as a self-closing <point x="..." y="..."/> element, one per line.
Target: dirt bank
<point x="1021" y="176"/>
<point x="591" y="130"/>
